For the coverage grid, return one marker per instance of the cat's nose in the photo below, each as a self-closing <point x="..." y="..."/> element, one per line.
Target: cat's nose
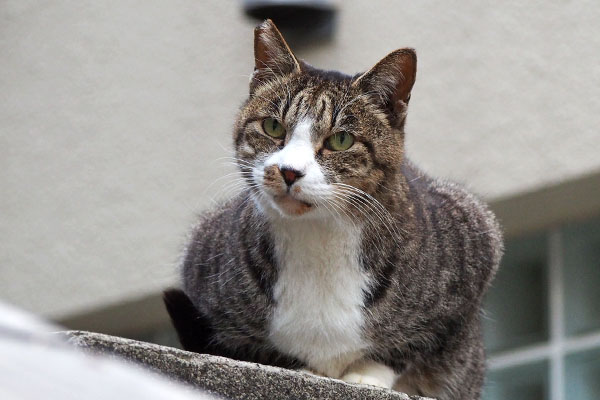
<point x="290" y="175"/>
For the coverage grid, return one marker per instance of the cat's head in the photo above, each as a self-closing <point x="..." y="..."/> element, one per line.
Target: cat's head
<point x="312" y="143"/>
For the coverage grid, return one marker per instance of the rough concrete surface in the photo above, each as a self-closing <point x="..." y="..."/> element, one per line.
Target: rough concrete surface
<point x="228" y="378"/>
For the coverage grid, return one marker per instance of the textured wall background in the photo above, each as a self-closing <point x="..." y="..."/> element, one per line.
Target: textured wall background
<point x="114" y="116"/>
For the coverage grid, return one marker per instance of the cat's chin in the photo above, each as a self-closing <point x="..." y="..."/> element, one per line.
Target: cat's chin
<point x="291" y="206"/>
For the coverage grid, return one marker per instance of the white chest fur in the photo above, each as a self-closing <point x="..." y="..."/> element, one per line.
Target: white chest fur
<point x="319" y="294"/>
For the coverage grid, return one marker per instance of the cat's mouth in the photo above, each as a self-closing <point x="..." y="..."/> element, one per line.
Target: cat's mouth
<point x="292" y="205"/>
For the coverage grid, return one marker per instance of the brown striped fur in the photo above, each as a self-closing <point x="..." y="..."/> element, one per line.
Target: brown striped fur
<point x="430" y="247"/>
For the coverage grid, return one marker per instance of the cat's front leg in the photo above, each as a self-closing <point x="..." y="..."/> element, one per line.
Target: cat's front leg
<point x="372" y="373"/>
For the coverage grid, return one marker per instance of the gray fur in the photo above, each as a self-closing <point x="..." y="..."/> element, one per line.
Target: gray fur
<point x="431" y="260"/>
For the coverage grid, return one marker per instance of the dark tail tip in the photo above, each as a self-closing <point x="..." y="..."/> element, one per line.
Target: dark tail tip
<point x="194" y="330"/>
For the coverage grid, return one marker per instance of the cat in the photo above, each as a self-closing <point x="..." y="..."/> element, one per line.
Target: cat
<point x="340" y="256"/>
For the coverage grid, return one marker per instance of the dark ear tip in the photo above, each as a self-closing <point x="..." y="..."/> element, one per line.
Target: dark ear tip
<point x="413" y="53"/>
<point x="408" y="51"/>
<point x="266" y="25"/>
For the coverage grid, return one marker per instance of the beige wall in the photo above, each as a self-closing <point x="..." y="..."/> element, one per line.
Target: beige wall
<point x="114" y="116"/>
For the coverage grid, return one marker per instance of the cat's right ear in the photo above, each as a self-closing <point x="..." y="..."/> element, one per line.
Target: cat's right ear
<point x="272" y="56"/>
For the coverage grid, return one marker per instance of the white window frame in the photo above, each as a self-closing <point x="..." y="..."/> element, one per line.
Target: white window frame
<point x="558" y="345"/>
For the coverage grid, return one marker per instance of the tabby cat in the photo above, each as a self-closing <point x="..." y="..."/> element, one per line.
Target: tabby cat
<point x="340" y="257"/>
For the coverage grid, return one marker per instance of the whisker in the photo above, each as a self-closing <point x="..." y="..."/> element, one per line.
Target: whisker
<point x="373" y="205"/>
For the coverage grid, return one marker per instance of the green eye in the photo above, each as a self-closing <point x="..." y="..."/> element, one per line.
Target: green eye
<point x="273" y="128"/>
<point x="340" y="141"/>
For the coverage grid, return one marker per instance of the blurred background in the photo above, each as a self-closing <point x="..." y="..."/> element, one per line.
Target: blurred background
<point x="116" y="117"/>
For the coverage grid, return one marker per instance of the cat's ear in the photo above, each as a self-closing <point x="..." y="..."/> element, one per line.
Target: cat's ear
<point x="390" y="82"/>
<point x="272" y="55"/>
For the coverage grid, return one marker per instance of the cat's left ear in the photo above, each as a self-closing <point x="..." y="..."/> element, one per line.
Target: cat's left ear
<point x="390" y="81"/>
<point x="272" y="55"/>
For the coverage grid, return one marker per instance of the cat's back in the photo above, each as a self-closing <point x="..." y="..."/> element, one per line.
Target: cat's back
<point x="459" y="228"/>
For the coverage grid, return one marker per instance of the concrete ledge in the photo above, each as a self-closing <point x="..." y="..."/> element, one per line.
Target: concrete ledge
<point x="228" y="378"/>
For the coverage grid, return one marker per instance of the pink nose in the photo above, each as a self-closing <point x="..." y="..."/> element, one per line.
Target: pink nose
<point x="290" y="175"/>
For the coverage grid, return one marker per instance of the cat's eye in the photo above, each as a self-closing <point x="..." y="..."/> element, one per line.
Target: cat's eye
<point x="273" y="128"/>
<point x="339" y="141"/>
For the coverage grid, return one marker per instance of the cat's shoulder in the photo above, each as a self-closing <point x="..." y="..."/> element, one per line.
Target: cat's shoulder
<point x="454" y="200"/>
<point x="225" y="209"/>
<point x="224" y="218"/>
<point x="216" y="225"/>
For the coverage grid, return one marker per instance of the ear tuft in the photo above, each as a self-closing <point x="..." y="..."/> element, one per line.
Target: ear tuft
<point x="272" y="55"/>
<point x="391" y="81"/>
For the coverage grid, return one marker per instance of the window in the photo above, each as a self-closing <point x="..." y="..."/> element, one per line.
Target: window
<point x="542" y="320"/>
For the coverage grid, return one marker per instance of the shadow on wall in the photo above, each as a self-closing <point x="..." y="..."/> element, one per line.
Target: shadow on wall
<point x="302" y="22"/>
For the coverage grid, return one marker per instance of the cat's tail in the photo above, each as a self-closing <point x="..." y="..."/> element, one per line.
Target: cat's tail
<point x="193" y="329"/>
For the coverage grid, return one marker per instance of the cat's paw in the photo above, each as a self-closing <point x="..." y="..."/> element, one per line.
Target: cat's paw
<point x="354" y="377"/>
